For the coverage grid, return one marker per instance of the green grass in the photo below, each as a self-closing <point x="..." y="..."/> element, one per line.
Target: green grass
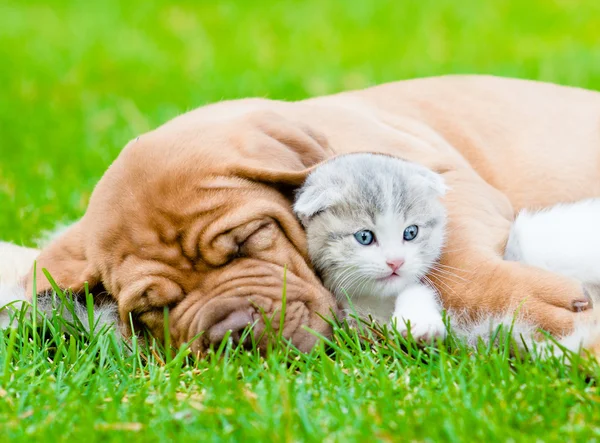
<point x="93" y="387"/>
<point x="79" y="79"/>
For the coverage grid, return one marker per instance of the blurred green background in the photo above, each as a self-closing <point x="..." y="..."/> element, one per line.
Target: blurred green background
<point x="79" y="78"/>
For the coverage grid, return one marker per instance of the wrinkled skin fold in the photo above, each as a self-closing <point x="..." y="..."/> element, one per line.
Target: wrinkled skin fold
<point x="196" y="215"/>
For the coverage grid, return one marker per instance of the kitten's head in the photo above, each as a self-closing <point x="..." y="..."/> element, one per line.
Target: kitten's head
<point x="374" y="223"/>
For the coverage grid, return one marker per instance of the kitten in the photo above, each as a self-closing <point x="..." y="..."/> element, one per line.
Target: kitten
<point x="375" y="226"/>
<point x="564" y="239"/>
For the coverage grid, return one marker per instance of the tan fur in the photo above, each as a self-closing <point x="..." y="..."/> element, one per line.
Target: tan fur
<point x="196" y="215"/>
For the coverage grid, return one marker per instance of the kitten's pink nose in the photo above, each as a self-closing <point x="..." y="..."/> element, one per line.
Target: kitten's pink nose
<point x="395" y="264"/>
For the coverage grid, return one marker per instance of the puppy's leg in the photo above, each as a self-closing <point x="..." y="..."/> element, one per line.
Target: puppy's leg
<point x="473" y="276"/>
<point x="564" y="239"/>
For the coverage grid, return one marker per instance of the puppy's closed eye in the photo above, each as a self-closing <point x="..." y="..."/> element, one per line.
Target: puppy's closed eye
<point x="241" y="241"/>
<point x="150" y="293"/>
<point x="259" y="240"/>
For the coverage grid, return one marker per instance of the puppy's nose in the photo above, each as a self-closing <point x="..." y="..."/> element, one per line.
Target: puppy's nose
<point x="395" y="264"/>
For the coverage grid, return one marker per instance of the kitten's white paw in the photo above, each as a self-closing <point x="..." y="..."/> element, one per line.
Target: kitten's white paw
<point x="422" y="328"/>
<point x="417" y="305"/>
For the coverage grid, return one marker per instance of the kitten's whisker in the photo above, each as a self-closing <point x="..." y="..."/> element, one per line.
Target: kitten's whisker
<point x="448" y="278"/>
<point x="346" y="284"/>
<point x="442" y="281"/>
<point x="342" y="275"/>
<point x="441" y="265"/>
<point x="350" y="286"/>
<point x="429" y="283"/>
<point x="450" y="274"/>
<point x="349" y="277"/>
<point x="337" y="278"/>
<point x="361" y="283"/>
<point x="439" y="281"/>
<point x="444" y="272"/>
<point x="446" y="286"/>
<point x="445" y="269"/>
<point x="436" y="282"/>
<point x="449" y="251"/>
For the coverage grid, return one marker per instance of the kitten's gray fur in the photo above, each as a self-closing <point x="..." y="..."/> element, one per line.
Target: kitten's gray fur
<point x="385" y="195"/>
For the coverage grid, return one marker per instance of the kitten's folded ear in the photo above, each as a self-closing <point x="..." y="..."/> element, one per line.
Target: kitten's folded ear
<point x="312" y="199"/>
<point x="434" y="181"/>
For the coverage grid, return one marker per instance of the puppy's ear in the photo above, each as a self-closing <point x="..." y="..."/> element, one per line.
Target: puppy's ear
<point x="312" y="199"/>
<point x="66" y="261"/>
<point x="276" y="150"/>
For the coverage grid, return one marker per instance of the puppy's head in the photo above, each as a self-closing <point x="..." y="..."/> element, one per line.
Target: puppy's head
<point x="196" y="216"/>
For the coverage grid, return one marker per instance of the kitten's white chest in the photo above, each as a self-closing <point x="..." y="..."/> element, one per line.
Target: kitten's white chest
<point x="380" y="308"/>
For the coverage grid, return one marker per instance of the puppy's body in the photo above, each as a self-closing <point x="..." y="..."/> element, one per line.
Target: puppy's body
<point x="205" y="226"/>
<point x="375" y="226"/>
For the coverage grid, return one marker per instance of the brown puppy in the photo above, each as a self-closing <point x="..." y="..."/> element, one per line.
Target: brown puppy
<point x="196" y="214"/>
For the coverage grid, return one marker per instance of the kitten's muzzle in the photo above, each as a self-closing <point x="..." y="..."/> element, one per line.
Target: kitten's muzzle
<point x="395" y="264"/>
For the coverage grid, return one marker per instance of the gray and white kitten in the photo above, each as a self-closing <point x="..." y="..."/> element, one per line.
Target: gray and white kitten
<point x="375" y="226"/>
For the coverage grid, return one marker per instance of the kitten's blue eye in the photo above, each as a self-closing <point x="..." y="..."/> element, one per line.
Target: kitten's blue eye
<point x="411" y="232"/>
<point x="364" y="237"/>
